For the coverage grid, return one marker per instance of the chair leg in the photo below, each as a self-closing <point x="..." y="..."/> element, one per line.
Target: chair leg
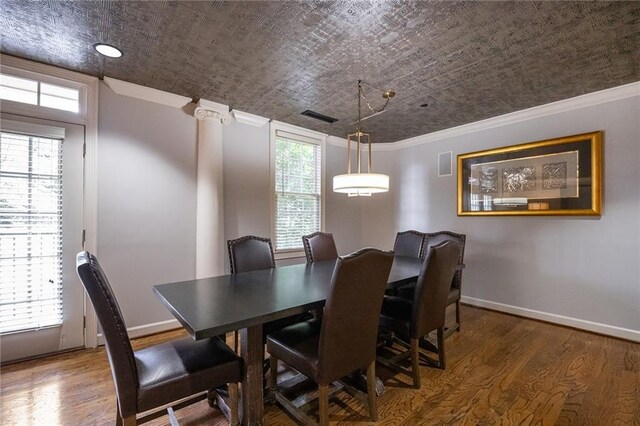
<point x="323" y="404"/>
<point x="118" y="416"/>
<point x="371" y="391"/>
<point x="130" y="421"/>
<point x="236" y="341"/>
<point x="233" y="402"/>
<point x="127" y="421"/>
<point x="442" y="363"/>
<point x="458" y="315"/>
<point x="273" y="374"/>
<point x="415" y="362"/>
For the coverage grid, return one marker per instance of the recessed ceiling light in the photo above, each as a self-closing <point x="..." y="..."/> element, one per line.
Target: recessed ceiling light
<point x="108" y="50"/>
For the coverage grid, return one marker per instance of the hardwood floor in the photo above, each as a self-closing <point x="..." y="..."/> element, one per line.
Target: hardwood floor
<point x="501" y="369"/>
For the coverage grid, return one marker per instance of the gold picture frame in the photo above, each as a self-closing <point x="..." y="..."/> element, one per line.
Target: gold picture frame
<point x="561" y="176"/>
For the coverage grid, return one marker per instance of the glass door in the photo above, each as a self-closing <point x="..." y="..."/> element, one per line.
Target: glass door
<point x="41" y="222"/>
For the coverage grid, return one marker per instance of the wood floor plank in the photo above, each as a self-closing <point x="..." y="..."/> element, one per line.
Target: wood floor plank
<point x="501" y="369"/>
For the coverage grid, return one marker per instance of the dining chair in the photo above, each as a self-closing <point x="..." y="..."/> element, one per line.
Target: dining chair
<point x="344" y="340"/>
<point x="158" y="375"/>
<point x="455" y="292"/>
<point x="409" y="243"/>
<point x="413" y="320"/>
<point x="319" y="246"/>
<point x="251" y="253"/>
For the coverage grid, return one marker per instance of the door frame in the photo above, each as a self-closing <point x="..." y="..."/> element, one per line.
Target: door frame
<point x="88" y="116"/>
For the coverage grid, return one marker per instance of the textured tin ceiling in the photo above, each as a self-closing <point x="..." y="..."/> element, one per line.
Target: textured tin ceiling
<point x="467" y="60"/>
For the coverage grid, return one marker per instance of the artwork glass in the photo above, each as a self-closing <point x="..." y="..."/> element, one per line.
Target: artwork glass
<point x="557" y="176"/>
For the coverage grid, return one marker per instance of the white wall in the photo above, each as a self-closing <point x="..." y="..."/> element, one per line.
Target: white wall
<point x="579" y="267"/>
<point x="246" y="180"/>
<point x="146" y="201"/>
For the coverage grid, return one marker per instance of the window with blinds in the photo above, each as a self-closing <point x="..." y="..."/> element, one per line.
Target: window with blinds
<point x="298" y="191"/>
<point x="30" y="232"/>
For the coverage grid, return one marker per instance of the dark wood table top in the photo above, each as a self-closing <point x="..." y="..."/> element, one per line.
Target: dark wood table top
<point x="211" y="306"/>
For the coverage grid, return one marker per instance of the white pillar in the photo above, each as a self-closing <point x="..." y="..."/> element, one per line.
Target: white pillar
<point x="210" y="243"/>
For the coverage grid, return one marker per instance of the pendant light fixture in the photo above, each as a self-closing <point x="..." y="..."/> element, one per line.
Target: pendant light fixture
<point x="359" y="183"/>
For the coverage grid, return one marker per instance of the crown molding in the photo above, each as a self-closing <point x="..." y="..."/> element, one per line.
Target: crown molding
<point x="565" y="105"/>
<point x="250" y="119"/>
<point x="146" y="93"/>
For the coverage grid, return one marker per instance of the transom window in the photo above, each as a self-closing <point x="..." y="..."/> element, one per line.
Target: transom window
<point x="297" y="189"/>
<point x="39" y="93"/>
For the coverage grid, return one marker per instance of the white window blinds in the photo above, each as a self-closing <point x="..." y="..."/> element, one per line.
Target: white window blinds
<point x="298" y="190"/>
<point x="30" y="232"/>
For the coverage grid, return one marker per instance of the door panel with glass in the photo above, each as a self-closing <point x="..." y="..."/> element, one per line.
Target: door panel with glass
<point x="41" y="187"/>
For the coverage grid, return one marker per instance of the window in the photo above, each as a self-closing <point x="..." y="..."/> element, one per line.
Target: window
<point x="34" y="92"/>
<point x="298" y="189"/>
<point x="30" y="232"/>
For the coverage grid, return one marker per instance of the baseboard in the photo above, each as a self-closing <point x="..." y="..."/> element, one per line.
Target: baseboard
<point x="609" y="330"/>
<point x="145" y="330"/>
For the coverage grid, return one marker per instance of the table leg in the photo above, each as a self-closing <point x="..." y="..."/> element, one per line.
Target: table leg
<point x="252" y="352"/>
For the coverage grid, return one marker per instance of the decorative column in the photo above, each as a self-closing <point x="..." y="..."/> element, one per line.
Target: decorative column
<point x="210" y="243"/>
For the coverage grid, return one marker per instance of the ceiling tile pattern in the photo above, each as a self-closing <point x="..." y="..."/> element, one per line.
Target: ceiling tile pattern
<point x="467" y="60"/>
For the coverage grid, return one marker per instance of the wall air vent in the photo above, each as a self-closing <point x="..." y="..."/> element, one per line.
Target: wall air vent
<point x="319" y="116"/>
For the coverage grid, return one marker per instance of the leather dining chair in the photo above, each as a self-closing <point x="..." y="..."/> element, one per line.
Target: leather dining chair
<point x="412" y="320"/>
<point x="319" y="246"/>
<point x="409" y="243"/>
<point x="251" y="253"/>
<point x="455" y="292"/>
<point x="158" y="375"/>
<point x="344" y="340"/>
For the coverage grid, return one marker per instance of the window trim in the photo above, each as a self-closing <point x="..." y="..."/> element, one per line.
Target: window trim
<point x="307" y="136"/>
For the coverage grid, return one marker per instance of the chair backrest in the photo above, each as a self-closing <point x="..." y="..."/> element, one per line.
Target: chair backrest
<point x="350" y="319"/>
<point x="319" y="246"/>
<point x="435" y="238"/>
<point x="409" y="243"/>
<point x="432" y="288"/>
<point x="114" y="330"/>
<point x="250" y="253"/>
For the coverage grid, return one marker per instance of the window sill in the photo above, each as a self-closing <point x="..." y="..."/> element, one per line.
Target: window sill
<point x="295" y="254"/>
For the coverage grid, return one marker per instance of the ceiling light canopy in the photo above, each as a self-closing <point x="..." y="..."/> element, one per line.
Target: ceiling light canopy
<point x="362" y="184"/>
<point x="108" y="50"/>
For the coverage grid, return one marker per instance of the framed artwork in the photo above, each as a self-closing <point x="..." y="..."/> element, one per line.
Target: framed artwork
<point x="560" y="176"/>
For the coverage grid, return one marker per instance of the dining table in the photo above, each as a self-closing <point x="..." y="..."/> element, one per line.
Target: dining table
<point x="244" y="301"/>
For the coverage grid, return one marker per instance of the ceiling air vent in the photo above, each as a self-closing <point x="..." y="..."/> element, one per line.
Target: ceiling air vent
<point x="319" y="116"/>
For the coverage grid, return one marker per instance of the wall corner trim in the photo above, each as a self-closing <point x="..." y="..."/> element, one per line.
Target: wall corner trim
<point x="149" y="94"/>
<point x="595" y="327"/>
<point x="250" y="119"/>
